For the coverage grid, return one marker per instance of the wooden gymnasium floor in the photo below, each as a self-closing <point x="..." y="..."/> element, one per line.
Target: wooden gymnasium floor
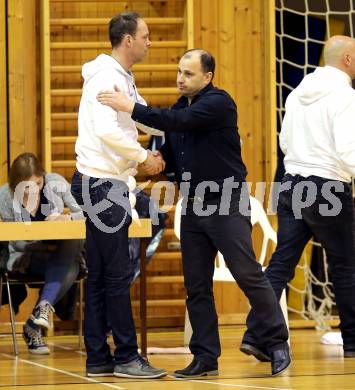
<point x="315" y="366"/>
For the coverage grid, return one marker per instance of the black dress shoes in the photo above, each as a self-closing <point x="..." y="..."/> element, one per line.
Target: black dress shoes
<point x="257" y="351"/>
<point x="196" y="369"/>
<point x="280" y="361"/>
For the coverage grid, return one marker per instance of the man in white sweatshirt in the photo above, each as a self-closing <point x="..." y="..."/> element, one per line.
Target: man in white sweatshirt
<point x="107" y="156"/>
<point x="318" y="140"/>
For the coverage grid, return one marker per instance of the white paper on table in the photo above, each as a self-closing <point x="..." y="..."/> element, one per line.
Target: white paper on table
<point x="149" y="130"/>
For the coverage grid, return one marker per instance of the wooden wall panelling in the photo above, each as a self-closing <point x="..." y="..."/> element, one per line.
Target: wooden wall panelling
<point x="22" y="52"/>
<point x="265" y="100"/>
<point x="256" y="64"/>
<point x="72" y="33"/>
<point x="3" y="96"/>
<point x="189" y="17"/>
<point x="228" y="75"/>
<point x="269" y="91"/>
<point x="244" y="81"/>
<point x="22" y="100"/>
<point x="227" y="47"/>
<point x="45" y="86"/>
<point x="207" y="35"/>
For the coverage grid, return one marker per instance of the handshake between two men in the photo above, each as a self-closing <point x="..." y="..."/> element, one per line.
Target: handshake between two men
<point x="154" y="163"/>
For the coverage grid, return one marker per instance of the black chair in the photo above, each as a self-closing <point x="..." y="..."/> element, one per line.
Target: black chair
<point x="12" y="278"/>
<point x="4" y="255"/>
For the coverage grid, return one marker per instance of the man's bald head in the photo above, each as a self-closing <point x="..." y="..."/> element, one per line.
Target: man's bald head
<point x="339" y="51"/>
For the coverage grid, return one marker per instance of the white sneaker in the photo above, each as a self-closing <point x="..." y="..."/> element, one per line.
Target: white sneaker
<point x="40" y="314"/>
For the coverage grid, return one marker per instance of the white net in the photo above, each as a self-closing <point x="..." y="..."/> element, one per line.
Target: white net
<point x="302" y="27"/>
<point x="316" y="295"/>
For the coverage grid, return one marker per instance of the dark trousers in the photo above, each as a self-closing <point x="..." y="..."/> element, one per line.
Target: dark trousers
<point x="107" y="295"/>
<point x="201" y="238"/>
<point x="334" y="232"/>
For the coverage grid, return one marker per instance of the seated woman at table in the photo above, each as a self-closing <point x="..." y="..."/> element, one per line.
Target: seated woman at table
<point x="34" y="195"/>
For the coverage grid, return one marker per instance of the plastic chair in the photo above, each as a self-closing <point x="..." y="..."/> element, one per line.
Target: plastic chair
<point x="222" y="273"/>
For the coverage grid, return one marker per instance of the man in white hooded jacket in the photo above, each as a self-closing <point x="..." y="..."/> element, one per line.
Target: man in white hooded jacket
<point x="107" y="155"/>
<point x="315" y="199"/>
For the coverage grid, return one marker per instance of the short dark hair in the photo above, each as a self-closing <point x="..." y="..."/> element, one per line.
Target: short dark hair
<point x="122" y="24"/>
<point x="208" y="63"/>
<point x="24" y="166"/>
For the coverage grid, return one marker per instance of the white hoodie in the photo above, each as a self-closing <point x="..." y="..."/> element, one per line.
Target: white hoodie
<point x="318" y="130"/>
<point x="107" y="145"/>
